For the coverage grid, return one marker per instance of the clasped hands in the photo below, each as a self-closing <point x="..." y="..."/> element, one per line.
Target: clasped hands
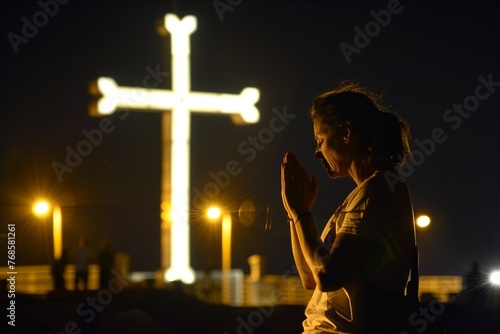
<point x="298" y="190"/>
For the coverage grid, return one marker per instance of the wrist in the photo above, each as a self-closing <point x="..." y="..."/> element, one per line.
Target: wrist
<point x="298" y="216"/>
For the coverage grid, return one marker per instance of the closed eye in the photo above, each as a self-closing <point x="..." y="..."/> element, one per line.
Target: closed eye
<point x="318" y="145"/>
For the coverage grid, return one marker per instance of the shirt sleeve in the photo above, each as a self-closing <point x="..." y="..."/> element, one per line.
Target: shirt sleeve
<point x="366" y="214"/>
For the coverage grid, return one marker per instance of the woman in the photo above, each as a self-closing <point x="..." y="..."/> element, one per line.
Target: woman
<point x="369" y="239"/>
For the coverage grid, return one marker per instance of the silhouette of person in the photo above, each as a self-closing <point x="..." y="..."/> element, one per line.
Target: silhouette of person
<point x="58" y="268"/>
<point x="82" y="260"/>
<point x="369" y="239"/>
<point x="106" y="261"/>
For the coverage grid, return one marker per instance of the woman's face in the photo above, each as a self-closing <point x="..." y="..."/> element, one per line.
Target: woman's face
<point x="331" y="149"/>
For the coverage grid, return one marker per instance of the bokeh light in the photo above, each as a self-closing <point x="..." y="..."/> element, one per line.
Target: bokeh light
<point x="40" y="208"/>
<point x="213" y="212"/>
<point x="423" y="221"/>
<point x="495" y="277"/>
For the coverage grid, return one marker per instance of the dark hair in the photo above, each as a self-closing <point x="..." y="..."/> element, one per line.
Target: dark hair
<point x="384" y="137"/>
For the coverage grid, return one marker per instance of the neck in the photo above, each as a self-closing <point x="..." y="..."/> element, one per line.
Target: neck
<point x="360" y="172"/>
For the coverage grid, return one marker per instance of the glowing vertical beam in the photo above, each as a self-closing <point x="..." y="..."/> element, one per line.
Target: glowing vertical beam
<point x="166" y="191"/>
<point x="226" y="242"/>
<point x="57" y="231"/>
<point x="226" y="258"/>
<point x="181" y="128"/>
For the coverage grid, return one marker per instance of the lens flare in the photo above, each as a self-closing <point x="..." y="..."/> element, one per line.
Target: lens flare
<point x="213" y="213"/>
<point x="495" y="277"/>
<point x="41" y="208"/>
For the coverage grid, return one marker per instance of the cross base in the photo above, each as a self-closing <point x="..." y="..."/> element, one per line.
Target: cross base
<point x="184" y="274"/>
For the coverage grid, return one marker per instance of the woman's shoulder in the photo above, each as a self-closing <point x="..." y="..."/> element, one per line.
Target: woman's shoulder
<point x="386" y="181"/>
<point x="382" y="187"/>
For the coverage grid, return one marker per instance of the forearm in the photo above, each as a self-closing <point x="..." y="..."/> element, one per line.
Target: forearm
<point x="303" y="269"/>
<point x="314" y="251"/>
<point x="336" y="261"/>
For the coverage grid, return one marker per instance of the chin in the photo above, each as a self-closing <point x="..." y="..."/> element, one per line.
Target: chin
<point x="333" y="175"/>
<point x="336" y="175"/>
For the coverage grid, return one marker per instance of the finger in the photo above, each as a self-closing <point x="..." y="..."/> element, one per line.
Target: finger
<point x="291" y="158"/>
<point x="283" y="189"/>
<point x="282" y="168"/>
<point x="293" y="163"/>
<point x="286" y="177"/>
<point x="305" y="173"/>
<point x="282" y="177"/>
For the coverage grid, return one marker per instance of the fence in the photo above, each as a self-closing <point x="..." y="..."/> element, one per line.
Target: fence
<point x="244" y="290"/>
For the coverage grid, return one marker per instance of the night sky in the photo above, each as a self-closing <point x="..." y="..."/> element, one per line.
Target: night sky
<point x="428" y="60"/>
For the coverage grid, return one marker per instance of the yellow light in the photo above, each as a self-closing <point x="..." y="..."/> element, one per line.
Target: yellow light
<point x="165" y="216"/>
<point x="423" y="221"/>
<point x="41" y="208"/>
<point x="213" y="213"/>
<point x="57" y="231"/>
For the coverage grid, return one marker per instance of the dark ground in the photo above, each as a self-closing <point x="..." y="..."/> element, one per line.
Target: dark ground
<point x="171" y="312"/>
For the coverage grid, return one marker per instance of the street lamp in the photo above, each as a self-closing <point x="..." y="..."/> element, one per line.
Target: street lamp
<point x="423" y="221"/>
<point x="215" y="213"/>
<point x="41" y="208"/>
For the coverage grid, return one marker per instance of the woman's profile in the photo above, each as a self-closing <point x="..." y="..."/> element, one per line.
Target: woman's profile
<point x="369" y="239"/>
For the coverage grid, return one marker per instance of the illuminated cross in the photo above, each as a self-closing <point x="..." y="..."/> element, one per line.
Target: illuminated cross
<point x="180" y="101"/>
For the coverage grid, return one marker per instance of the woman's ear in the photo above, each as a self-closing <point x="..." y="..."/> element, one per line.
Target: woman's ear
<point x="345" y="132"/>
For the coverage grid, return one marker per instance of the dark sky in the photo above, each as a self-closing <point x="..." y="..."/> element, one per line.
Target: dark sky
<point x="427" y="59"/>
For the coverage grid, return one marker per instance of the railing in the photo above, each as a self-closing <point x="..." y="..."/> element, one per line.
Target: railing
<point x="245" y="291"/>
<point x="38" y="279"/>
<point x="440" y="287"/>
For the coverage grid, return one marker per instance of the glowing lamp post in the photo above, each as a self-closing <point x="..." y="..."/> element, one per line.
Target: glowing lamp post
<point x="180" y="101"/>
<point x="215" y="213"/>
<point x="42" y="208"/>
